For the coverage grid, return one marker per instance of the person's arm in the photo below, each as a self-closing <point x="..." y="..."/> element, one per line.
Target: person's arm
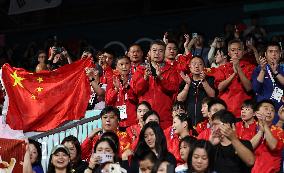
<point x="140" y="81"/>
<point x="271" y="141"/>
<point x="97" y="88"/>
<point x="208" y="89"/>
<point x="256" y="139"/>
<point x="245" y="154"/>
<point x="278" y="76"/>
<point x="183" y="94"/>
<point x="52" y="53"/>
<point x="225" y="83"/>
<point x="281" y="117"/>
<point x="27" y="166"/>
<point x="262" y="62"/>
<point x="244" y="80"/>
<point x="94" y="80"/>
<point x="185" y="45"/>
<point x="86" y="146"/>
<point x="213" y="46"/>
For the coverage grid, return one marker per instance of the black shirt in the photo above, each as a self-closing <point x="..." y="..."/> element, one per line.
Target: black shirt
<point x="194" y="98"/>
<point x="228" y="161"/>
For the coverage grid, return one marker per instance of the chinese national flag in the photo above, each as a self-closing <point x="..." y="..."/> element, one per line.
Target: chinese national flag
<point x="12" y="153"/>
<point x="42" y="101"/>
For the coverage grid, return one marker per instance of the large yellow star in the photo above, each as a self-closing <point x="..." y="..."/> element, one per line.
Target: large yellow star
<point x="39" y="79"/>
<point x="39" y="89"/>
<point x="17" y="79"/>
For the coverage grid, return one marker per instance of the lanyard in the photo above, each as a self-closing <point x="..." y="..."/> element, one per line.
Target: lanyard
<point x="270" y="75"/>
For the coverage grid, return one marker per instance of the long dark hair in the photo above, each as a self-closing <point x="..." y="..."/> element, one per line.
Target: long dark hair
<point x="208" y="147"/>
<point x="160" y="142"/>
<point x="77" y="145"/>
<point x="38" y="149"/>
<point x="51" y="167"/>
<point x="112" y="145"/>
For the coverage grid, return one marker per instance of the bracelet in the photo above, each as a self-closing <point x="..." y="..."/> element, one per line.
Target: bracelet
<point x="90" y="168"/>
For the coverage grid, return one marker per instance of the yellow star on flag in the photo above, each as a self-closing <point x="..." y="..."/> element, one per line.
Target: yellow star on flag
<point x="17" y="79"/>
<point x="39" y="89"/>
<point x="39" y="79"/>
<point x="33" y="97"/>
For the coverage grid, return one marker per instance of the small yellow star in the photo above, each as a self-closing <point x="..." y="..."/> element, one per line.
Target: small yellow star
<point x="39" y="89"/>
<point x="39" y="79"/>
<point x="17" y="79"/>
<point x="33" y="97"/>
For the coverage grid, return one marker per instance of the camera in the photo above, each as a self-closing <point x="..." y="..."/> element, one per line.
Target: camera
<point x="58" y="50"/>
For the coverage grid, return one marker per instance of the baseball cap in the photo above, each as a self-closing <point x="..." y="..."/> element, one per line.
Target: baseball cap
<point x="58" y="148"/>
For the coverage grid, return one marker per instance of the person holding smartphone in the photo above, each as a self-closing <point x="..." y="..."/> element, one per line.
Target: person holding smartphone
<point x="105" y="151"/>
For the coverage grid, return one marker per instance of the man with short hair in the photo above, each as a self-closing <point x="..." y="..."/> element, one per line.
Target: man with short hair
<point x="110" y="118"/>
<point x="156" y="83"/>
<point x="231" y="154"/>
<point x="214" y="105"/>
<point x="268" y="77"/>
<point x="268" y="141"/>
<point x="233" y="78"/>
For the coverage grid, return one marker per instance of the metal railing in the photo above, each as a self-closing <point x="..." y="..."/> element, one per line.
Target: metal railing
<point x="80" y="129"/>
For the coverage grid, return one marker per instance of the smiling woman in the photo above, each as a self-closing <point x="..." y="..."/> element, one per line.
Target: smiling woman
<point x="59" y="160"/>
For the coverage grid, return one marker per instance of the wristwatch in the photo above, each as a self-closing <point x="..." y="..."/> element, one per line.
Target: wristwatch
<point x="276" y="73"/>
<point x="91" y="80"/>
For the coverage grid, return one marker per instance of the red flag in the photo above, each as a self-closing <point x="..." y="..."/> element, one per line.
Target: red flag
<point x="42" y="101"/>
<point x="12" y="153"/>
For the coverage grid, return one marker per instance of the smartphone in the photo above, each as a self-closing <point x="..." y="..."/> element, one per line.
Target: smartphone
<point x="104" y="157"/>
<point x="194" y="35"/>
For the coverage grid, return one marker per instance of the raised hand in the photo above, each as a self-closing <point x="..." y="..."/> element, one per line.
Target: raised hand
<point x="281" y="113"/>
<point x="202" y="75"/>
<point x="187" y="40"/>
<point x="116" y="82"/>
<point x="186" y="78"/>
<point x="165" y="38"/>
<point x="236" y="63"/>
<point x="95" y="132"/>
<point x="124" y="79"/>
<point x="228" y="131"/>
<point x="157" y="68"/>
<point x="274" y="66"/>
<point x="262" y="62"/>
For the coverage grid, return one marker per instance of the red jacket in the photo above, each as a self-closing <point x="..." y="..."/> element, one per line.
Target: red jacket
<point x="246" y="133"/>
<point x="107" y="75"/>
<point x="202" y="126"/>
<point x="266" y="160"/>
<point x="88" y="145"/>
<point x="205" y="134"/>
<point x="181" y="64"/>
<point x="125" y="96"/>
<point x="173" y="144"/>
<point x="159" y="93"/>
<point x="234" y="94"/>
<point x="133" y="132"/>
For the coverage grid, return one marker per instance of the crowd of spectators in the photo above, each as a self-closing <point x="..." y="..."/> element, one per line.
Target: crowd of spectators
<point x="181" y="106"/>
